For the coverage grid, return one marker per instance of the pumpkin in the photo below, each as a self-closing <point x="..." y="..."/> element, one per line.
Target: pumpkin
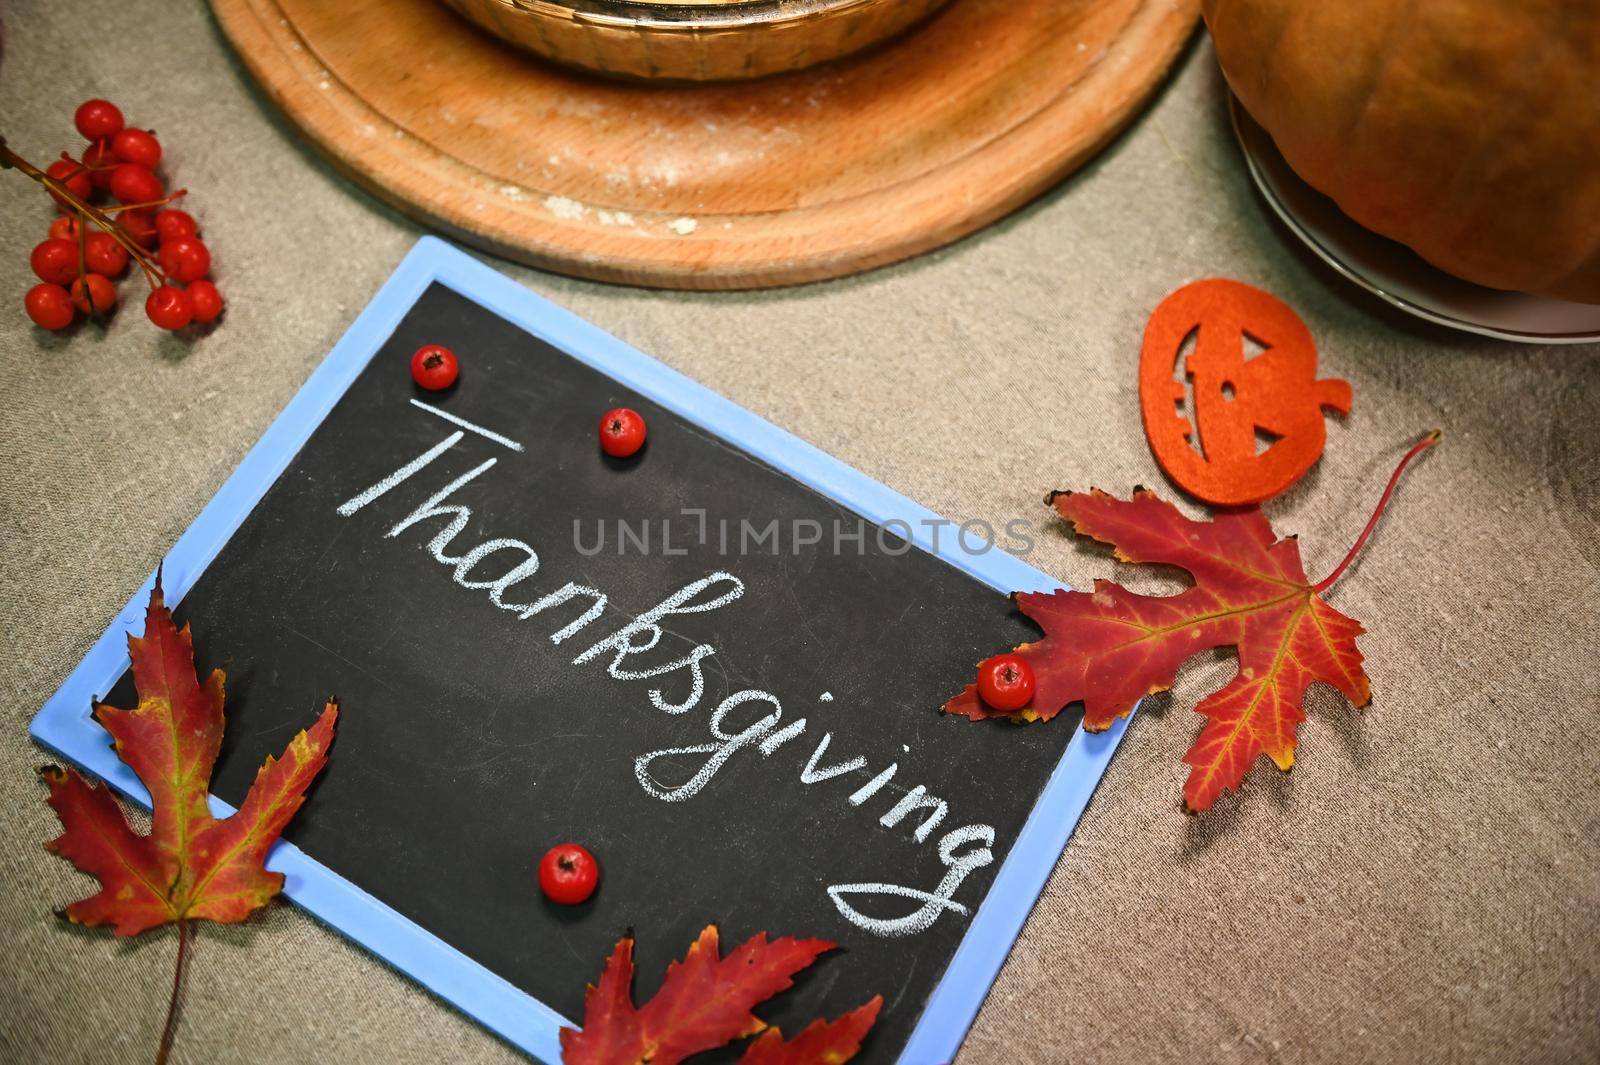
<point x="1466" y="129"/>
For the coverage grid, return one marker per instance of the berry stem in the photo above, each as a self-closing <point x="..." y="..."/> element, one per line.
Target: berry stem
<point x="152" y="275"/>
<point x="87" y="212"/>
<point x="1418" y="448"/>
<point x="79" y="166"/>
<point x="149" y="203"/>
<point x="102" y="145"/>
<point x="83" y="251"/>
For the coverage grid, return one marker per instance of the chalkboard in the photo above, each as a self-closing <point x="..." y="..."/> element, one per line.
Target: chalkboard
<point x="719" y="675"/>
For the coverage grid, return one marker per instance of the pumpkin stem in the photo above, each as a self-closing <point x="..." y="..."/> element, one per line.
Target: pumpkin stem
<point x="1418" y="448"/>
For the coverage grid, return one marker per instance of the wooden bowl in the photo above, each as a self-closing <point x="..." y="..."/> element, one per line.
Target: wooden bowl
<point x="693" y="40"/>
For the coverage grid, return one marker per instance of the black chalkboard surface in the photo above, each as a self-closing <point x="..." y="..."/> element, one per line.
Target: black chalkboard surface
<point x="484" y="722"/>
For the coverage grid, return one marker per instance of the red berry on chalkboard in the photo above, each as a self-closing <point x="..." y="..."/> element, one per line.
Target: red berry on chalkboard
<point x="1005" y="682"/>
<point x="568" y="874"/>
<point x="98" y="118"/>
<point x="65" y="228"/>
<point x="621" y="432"/>
<point x="434" y="367"/>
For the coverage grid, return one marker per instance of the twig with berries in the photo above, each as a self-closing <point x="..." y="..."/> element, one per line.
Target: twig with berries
<point x="90" y="244"/>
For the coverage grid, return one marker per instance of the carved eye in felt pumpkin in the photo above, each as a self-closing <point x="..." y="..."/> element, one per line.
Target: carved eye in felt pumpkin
<point x="1254" y="423"/>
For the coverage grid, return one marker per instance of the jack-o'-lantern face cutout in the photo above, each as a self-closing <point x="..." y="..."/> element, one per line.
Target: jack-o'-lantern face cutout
<point x="1229" y="427"/>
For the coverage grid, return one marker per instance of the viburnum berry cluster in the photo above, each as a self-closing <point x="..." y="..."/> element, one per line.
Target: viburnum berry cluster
<point x="115" y="209"/>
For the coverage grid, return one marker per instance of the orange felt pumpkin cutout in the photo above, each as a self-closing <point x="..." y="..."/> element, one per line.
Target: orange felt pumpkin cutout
<point x="1256" y="422"/>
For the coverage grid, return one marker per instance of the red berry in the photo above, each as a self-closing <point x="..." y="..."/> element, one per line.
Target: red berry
<point x="137" y="146"/>
<point x="65" y="228"/>
<point x="206" y="299"/>
<point x="136" y="183"/>
<point x="98" y="158"/>
<point x="55" y="260"/>
<point x="93" y="287"/>
<point x="173" y="223"/>
<point x="49" y="306"/>
<point x="137" y="224"/>
<point x="169" y="308"/>
<point x="74" y="177"/>
<point x="1005" y="682"/>
<point x="103" y="255"/>
<point x="568" y="874"/>
<point x="97" y="118"/>
<point x="621" y="432"/>
<point x="434" y="367"/>
<point x="185" y="259"/>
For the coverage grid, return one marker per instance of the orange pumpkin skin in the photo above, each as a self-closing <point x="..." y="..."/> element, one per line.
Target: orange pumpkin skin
<point x="1466" y="129"/>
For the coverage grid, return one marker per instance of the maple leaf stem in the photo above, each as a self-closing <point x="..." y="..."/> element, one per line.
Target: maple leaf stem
<point x="170" y="1029"/>
<point x="1418" y="448"/>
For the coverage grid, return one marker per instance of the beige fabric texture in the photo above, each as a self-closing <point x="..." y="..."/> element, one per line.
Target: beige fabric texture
<point x="1422" y="888"/>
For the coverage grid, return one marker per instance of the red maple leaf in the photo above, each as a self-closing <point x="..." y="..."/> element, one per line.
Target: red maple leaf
<point x="1110" y="647"/>
<point x="191" y="865"/>
<point x="704" y="1003"/>
<point x="821" y="1043"/>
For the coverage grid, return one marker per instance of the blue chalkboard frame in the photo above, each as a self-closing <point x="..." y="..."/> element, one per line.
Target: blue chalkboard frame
<point x="65" y="726"/>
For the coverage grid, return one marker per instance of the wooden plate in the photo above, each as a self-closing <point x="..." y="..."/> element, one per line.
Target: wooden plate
<point x="810" y="175"/>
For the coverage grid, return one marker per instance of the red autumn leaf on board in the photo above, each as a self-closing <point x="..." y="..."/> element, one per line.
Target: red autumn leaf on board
<point x="1110" y="647"/>
<point x="704" y="1003"/>
<point x="191" y="865"/>
<point x="821" y="1043"/>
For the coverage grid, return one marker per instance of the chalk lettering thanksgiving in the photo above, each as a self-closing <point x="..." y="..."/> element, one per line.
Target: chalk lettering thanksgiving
<point x="746" y="724"/>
